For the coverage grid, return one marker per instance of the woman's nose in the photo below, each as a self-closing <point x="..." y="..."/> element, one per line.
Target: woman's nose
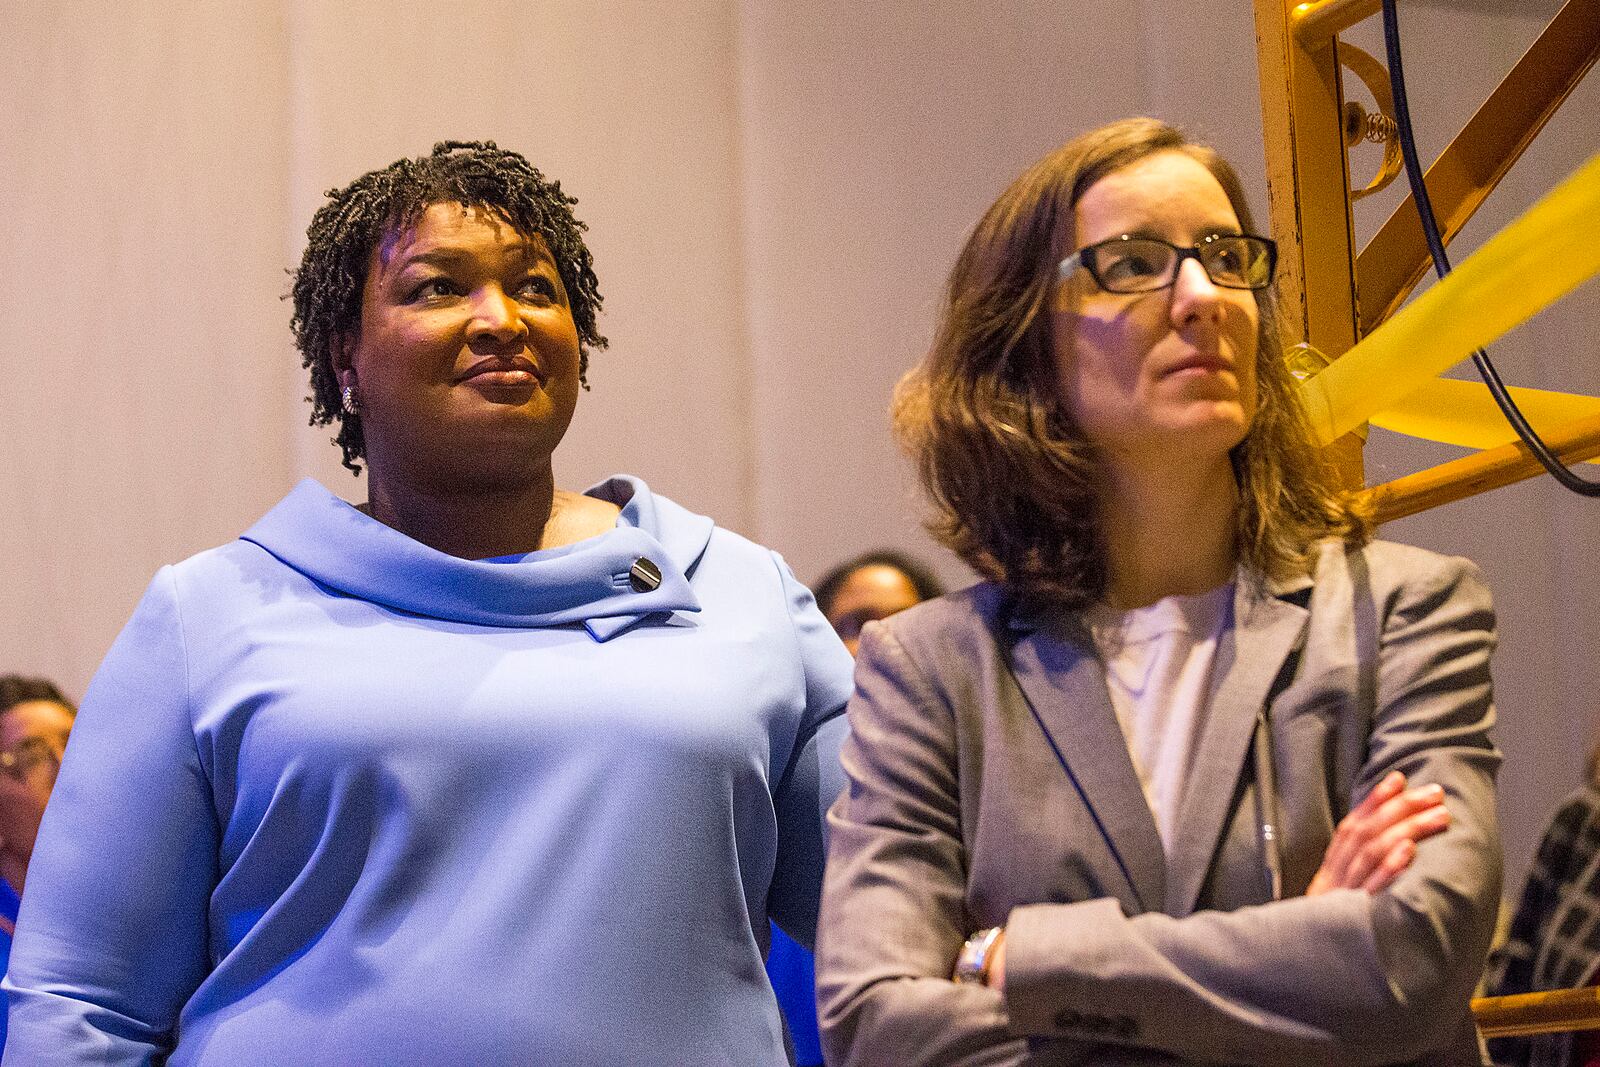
<point x="495" y="316"/>
<point x="1194" y="294"/>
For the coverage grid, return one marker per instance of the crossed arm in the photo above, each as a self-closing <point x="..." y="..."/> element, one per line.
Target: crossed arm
<point x="1373" y="964"/>
<point x="1371" y="846"/>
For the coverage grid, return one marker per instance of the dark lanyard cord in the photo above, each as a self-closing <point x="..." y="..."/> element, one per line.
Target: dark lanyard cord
<point x="1441" y="264"/>
<point x="1267" y="804"/>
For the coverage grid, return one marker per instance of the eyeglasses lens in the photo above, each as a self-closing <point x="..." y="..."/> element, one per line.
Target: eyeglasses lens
<point x="31" y="758"/>
<point x="1239" y="262"/>
<point x="1140" y="265"/>
<point x="1133" y="265"/>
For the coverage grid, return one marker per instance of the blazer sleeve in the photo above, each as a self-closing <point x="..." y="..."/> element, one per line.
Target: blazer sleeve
<point x="1345" y="977"/>
<point x="893" y="904"/>
<point x="111" y="940"/>
<point x="813" y="776"/>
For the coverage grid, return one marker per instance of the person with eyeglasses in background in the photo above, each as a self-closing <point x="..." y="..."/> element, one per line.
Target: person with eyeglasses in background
<point x="35" y="719"/>
<point x="872" y="586"/>
<point x="1200" y="773"/>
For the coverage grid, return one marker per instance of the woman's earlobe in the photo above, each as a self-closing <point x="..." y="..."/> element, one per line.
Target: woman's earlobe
<point x="344" y="374"/>
<point x="341" y="348"/>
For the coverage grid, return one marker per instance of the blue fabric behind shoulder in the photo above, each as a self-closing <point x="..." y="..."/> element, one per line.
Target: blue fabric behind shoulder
<point x="794" y="978"/>
<point x="8" y="909"/>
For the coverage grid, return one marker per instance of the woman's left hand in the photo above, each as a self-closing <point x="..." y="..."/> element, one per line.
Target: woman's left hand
<point x="1377" y="840"/>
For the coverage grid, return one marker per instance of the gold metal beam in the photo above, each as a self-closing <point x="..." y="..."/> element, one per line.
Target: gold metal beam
<point x="1396" y="258"/>
<point x="1557" y="1011"/>
<point x="1317" y="23"/>
<point x="1481" y="472"/>
<point x="1308" y="184"/>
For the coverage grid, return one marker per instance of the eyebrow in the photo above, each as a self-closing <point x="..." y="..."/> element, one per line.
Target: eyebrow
<point x="1220" y="230"/>
<point x="531" y="255"/>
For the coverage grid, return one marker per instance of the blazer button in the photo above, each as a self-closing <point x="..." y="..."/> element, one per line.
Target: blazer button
<point x="644" y="575"/>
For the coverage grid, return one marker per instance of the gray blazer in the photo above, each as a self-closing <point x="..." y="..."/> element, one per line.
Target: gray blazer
<point x="990" y="784"/>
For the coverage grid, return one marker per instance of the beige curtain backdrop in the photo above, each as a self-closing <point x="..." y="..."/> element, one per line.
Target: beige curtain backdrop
<point x="774" y="193"/>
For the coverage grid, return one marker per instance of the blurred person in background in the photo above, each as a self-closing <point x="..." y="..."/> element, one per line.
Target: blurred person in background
<point x="35" y="719"/>
<point x="873" y="586"/>
<point x="1554" y="941"/>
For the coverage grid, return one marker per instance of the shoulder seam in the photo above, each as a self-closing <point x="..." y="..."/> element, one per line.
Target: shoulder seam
<point x="188" y="687"/>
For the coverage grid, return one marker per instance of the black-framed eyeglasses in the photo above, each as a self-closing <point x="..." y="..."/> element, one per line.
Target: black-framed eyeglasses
<point x="1130" y="264"/>
<point x="27" y="756"/>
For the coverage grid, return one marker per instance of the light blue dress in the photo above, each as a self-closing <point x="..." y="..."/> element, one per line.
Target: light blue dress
<point x="335" y="797"/>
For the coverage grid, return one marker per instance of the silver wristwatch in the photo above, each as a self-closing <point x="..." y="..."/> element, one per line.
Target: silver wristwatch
<point x="972" y="965"/>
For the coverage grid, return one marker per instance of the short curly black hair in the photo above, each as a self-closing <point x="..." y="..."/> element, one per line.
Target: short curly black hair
<point x="333" y="270"/>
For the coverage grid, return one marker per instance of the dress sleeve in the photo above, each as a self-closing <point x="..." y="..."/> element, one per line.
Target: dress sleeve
<point x="894" y="901"/>
<point x="1342" y="978"/>
<point x="813" y="777"/>
<point x="112" y="937"/>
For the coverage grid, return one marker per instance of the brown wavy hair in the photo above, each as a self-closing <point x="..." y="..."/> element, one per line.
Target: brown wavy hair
<point x="1014" y="483"/>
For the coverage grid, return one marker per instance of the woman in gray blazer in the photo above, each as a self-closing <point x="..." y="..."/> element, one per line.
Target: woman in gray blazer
<point x="1140" y="796"/>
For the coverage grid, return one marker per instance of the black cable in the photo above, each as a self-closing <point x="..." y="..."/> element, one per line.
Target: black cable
<point x="1441" y="264"/>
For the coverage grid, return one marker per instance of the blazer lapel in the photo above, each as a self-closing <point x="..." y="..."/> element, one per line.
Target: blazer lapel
<point x="1249" y="656"/>
<point x="1064" y="684"/>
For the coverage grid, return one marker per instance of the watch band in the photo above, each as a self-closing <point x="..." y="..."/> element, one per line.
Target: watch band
<point x="972" y="965"/>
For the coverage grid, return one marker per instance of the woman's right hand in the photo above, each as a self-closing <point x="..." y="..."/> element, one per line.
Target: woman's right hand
<point x="1378" y="838"/>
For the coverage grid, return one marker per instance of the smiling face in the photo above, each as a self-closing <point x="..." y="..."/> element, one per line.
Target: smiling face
<point x="1148" y="376"/>
<point x="466" y="364"/>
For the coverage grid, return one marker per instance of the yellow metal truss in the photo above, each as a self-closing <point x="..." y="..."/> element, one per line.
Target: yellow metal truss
<point x="1332" y="297"/>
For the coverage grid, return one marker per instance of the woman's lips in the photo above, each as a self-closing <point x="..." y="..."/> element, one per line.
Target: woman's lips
<point x="503" y="377"/>
<point x="516" y="373"/>
<point x="1200" y="365"/>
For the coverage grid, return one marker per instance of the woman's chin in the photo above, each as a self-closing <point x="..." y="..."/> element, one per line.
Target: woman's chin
<point x="536" y="425"/>
<point x="1217" y="426"/>
<point x="1195" y="434"/>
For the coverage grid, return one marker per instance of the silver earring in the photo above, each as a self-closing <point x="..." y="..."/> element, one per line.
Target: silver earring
<point x="347" y="400"/>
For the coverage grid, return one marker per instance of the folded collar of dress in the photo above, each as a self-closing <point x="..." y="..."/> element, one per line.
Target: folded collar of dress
<point x="330" y="542"/>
